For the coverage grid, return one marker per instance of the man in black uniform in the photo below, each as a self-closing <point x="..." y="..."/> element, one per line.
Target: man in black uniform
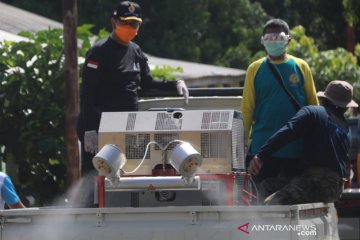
<point x="325" y="159"/>
<point x="115" y="68"/>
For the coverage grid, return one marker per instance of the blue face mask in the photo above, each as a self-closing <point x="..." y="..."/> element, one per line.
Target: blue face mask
<point x="275" y="48"/>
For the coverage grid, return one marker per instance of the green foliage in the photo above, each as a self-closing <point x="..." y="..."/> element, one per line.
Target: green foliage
<point x="84" y="33"/>
<point x="165" y="72"/>
<point x="325" y="65"/>
<point x="301" y="45"/>
<point x="32" y="113"/>
<point x="351" y="10"/>
<point x="207" y="31"/>
<point x="357" y="50"/>
<point x="335" y="64"/>
<point x="32" y="121"/>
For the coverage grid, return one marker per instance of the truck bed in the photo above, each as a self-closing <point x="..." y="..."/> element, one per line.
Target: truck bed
<point x="306" y="221"/>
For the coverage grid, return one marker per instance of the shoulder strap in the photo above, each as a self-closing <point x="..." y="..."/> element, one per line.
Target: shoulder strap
<point x="282" y="84"/>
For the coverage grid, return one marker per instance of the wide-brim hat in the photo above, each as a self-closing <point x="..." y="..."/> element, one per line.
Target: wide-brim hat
<point x="127" y="10"/>
<point x="340" y="93"/>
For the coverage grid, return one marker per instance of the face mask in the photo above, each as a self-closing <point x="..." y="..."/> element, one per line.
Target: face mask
<point x="275" y="43"/>
<point x="125" y="33"/>
<point x="275" y="48"/>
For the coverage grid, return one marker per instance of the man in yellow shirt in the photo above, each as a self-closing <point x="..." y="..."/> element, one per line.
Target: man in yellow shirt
<point x="266" y="107"/>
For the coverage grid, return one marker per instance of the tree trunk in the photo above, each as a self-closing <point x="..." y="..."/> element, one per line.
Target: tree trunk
<point x="350" y="38"/>
<point x="71" y="76"/>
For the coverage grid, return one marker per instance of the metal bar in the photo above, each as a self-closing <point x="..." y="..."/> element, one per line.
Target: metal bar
<point x="230" y="189"/>
<point x="101" y="190"/>
<point x="168" y="183"/>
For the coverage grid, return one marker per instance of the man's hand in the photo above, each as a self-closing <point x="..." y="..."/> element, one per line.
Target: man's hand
<point x="182" y="90"/>
<point x="255" y="166"/>
<point x="91" y="141"/>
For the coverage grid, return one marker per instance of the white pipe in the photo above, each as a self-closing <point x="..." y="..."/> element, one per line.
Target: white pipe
<point x="151" y="184"/>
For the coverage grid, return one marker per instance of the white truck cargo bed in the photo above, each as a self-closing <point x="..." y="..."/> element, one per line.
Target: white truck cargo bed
<point x="306" y="221"/>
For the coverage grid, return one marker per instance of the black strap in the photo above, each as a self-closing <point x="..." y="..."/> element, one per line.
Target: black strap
<point x="282" y="84"/>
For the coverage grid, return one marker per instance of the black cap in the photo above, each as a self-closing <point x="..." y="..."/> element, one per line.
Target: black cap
<point x="127" y="11"/>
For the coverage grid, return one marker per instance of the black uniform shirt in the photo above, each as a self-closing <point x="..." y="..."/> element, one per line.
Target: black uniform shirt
<point x="326" y="138"/>
<point x="112" y="75"/>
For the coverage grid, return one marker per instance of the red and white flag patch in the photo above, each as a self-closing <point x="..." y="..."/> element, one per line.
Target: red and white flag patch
<point x="92" y="64"/>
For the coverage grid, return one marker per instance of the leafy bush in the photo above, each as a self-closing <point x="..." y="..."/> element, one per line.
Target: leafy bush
<point x="165" y="72"/>
<point x="32" y="115"/>
<point x="334" y="64"/>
